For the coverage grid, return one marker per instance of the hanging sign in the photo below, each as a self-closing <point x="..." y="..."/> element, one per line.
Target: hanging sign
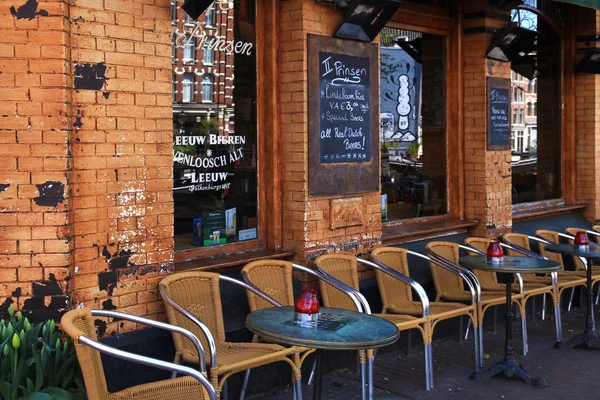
<point x="343" y="116"/>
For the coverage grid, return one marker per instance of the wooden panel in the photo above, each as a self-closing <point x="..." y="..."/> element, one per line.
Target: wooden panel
<point x="569" y="152"/>
<point x="546" y="210"/>
<point x="231" y="261"/>
<point x="327" y="178"/>
<point x="425" y="230"/>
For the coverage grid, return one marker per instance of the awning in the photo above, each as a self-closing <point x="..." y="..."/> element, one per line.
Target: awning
<point x="584" y="3"/>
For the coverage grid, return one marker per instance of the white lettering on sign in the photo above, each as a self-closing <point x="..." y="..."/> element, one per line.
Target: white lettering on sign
<point x="184" y="37"/>
<point x="199" y="177"/>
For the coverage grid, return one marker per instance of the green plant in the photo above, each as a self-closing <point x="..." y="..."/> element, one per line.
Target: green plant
<point x="413" y="149"/>
<point x="35" y="364"/>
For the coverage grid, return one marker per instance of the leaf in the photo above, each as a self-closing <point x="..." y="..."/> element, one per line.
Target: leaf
<point x="29" y="386"/>
<point x="39" y="369"/>
<point x="5" y="390"/>
<point x="37" y="396"/>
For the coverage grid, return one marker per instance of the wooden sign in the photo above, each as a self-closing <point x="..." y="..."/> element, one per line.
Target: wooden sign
<point x="343" y="97"/>
<point x="498" y="116"/>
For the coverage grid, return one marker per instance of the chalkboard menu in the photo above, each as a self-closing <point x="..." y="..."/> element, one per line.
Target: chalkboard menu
<point x="343" y="116"/>
<point x="344" y="121"/>
<point x="498" y="118"/>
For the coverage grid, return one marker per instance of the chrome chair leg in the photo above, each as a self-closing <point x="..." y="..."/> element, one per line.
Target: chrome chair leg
<point x="245" y="384"/>
<point x="298" y="391"/>
<point x="428" y="367"/>
<point x="524" y="334"/>
<point x="597" y="294"/>
<point x="477" y="349"/>
<point x="430" y="352"/>
<point x="468" y="327"/>
<point x="363" y="379"/>
<point x="312" y="373"/>
<point x="544" y="307"/>
<point x="571" y="299"/>
<point x="558" y="322"/>
<point x="370" y="362"/>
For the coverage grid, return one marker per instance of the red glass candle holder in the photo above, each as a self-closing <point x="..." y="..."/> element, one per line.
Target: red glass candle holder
<point x="307" y="306"/>
<point x="494" y="252"/>
<point x="581" y="239"/>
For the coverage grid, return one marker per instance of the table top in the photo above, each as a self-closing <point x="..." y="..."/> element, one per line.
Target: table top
<point x="592" y="250"/>
<point x="367" y="332"/>
<point x="511" y="265"/>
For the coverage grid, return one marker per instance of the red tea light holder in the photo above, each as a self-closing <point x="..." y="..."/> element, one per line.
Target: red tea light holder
<point x="581" y="239"/>
<point x="495" y="253"/>
<point x="307" y="306"/>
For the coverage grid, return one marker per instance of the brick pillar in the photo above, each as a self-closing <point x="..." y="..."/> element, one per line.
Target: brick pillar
<point x="307" y="218"/>
<point x="487" y="173"/>
<point x="122" y="155"/>
<point x="35" y="235"/>
<point x="587" y="91"/>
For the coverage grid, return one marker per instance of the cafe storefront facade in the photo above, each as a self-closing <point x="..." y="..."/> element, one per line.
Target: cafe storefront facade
<point x="138" y="142"/>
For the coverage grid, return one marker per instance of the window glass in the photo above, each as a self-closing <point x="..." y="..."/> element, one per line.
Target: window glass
<point x="536" y="162"/>
<point x="413" y="124"/>
<point x="173" y="11"/>
<point x="215" y="130"/>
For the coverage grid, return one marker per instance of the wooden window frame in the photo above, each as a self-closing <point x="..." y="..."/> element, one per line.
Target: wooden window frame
<point x="269" y="230"/>
<point x="432" y="21"/>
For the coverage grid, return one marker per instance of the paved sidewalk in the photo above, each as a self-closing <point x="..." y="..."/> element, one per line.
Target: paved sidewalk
<point x="571" y="373"/>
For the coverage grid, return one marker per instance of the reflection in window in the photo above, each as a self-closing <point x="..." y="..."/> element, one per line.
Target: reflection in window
<point x="215" y="140"/>
<point x="173" y="11"/>
<point x="207" y="87"/>
<point x="413" y="124"/>
<point x="189" y="48"/>
<point x="188" y="87"/>
<point x="209" y="53"/>
<point x="536" y="159"/>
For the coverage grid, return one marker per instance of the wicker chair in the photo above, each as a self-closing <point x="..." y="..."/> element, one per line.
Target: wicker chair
<point x="79" y="325"/>
<point x="580" y="264"/>
<point x="398" y="298"/>
<point x="193" y="301"/>
<point x="450" y="288"/>
<point x="274" y="278"/>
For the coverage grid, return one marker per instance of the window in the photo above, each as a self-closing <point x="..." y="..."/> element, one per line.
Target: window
<point x="187" y="18"/>
<point x="209" y="53"/>
<point x="173" y="51"/>
<point x="207" y="88"/>
<point x="189" y="48"/>
<point x="536" y="171"/>
<point x="515" y="116"/>
<point x="188" y="87"/>
<point x="521" y="115"/>
<point x="210" y="16"/>
<point x="413" y="125"/>
<point x="215" y="139"/>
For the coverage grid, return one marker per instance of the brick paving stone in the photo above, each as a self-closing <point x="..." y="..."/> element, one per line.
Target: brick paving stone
<point x="570" y="373"/>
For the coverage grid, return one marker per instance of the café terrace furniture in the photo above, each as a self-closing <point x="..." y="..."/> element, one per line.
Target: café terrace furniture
<point x="506" y="270"/>
<point x="79" y="325"/>
<point x="267" y="278"/>
<point x="595" y="235"/>
<point x="580" y="262"/>
<point x="448" y="287"/>
<point x="366" y="332"/>
<point x="554" y="237"/>
<point x="392" y="274"/>
<point x="193" y="301"/>
<point x="528" y="290"/>
<point x="589" y="337"/>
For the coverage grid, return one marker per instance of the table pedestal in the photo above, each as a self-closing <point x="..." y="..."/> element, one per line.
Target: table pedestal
<point x="508" y="366"/>
<point x="589" y="337"/>
<point x="318" y="374"/>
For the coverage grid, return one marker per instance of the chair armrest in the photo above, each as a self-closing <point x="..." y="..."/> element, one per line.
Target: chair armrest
<point x="451" y="267"/>
<point x="339" y="285"/>
<point x="168" y="366"/>
<point x="195" y="320"/>
<point x="250" y="286"/>
<point x="157" y="324"/>
<point x="527" y="253"/>
<point x="404" y="279"/>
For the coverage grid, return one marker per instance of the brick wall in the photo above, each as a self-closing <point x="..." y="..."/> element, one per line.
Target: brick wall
<point x="487" y="173"/>
<point x="35" y="232"/>
<point x="307" y="218"/>
<point x="86" y="157"/>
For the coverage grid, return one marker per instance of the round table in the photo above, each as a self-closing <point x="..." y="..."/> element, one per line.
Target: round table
<point x="589" y="336"/>
<point x="505" y="271"/>
<point x="367" y="332"/>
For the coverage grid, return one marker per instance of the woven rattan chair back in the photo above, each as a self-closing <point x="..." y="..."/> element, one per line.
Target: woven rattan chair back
<point x="517" y="239"/>
<point x="487" y="280"/>
<point x="596" y="228"/>
<point x="274" y="277"/>
<point x="343" y="268"/>
<point x="579" y="265"/>
<point x="550" y="236"/>
<point x="198" y="292"/>
<point x="447" y="284"/>
<point x="78" y="323"/>
<point x="392" y="294"/>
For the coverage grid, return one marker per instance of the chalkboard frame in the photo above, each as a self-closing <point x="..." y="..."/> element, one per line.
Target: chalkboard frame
<point x="498" y="83"/>
<point x="341" y="178"/>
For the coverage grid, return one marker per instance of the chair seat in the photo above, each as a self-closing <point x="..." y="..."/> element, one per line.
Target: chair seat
<point x="184" y="388"/>
<point x="414" y="308"/>
<point x="548" y="280"/>
<point x="241" y="356"/>
<point x="466" y="296"/>
<point x="396" y="317"/>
